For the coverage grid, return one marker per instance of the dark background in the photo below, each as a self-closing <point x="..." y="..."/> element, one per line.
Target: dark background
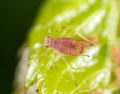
<point x="16" y="18"/>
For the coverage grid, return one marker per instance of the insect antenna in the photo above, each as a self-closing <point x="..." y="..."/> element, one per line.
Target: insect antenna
<point x="56" y="31"/>
<point x="85" y="55"/>
<point x="49" y="33"/>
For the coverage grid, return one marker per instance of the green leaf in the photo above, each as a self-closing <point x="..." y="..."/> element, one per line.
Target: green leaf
<point x="51" y="72"/>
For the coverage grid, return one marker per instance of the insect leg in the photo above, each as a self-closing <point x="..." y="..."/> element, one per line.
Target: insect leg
<point x="84" y="38"/>
<point x="72" y="75"/>
<point x="53" y="60"/>
<point x="85" y="55"/>
<point x="47" y="52"/>
<point x="59" y="29"/>
<point x="50" y="32"/>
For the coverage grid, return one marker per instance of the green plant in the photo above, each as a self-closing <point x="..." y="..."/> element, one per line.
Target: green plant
<point x="97" y="18"/>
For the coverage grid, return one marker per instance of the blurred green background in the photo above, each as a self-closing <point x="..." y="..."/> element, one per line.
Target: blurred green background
<point x="16" y="17"/>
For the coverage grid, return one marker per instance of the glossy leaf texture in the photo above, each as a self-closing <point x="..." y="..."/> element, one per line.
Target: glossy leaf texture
<point x="51" y="72"/>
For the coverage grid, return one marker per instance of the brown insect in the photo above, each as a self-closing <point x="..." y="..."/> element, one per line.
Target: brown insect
<point x="67" y="46"/>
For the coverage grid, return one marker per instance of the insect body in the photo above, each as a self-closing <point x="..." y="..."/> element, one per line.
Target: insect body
<point x="67" y="46"/>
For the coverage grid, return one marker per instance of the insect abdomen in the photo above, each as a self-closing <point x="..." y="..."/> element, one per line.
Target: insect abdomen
<point x="66" y="46"/>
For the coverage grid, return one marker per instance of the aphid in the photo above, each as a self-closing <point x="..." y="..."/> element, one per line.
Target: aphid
<point x="67" y="46"/>
<point x="70" y="47"/>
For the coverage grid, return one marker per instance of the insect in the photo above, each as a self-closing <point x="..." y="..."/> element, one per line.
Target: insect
<point x="67" y="46"/>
